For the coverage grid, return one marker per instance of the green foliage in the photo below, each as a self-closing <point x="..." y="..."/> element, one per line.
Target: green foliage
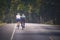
<point x="17" y="5"/>
<point x="33" y="9"/>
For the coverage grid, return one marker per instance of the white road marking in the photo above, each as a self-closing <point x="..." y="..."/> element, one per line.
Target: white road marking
<point x="13" y="33"/>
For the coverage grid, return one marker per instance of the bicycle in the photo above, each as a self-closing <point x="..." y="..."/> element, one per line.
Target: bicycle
<point x="23" y="25"/>
<point x="18" y="24"/>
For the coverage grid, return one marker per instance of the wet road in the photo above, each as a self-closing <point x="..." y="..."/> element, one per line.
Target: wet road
<point x="31" y="32"/>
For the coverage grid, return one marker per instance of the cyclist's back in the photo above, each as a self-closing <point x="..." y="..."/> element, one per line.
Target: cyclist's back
<point x="23" y="18"/>
<point x="18" y="17"/>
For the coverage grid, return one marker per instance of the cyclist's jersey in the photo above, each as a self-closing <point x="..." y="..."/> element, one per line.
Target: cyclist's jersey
<point x="22" y="18"/>
<point x="18" y="16"/>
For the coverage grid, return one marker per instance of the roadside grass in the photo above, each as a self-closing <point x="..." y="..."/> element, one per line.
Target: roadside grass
<point x="1" y="24"/>
<point x="51" y="23"/>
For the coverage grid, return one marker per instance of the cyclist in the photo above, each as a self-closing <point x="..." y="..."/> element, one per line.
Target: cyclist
<point x="23" y="21"/>
<point x="18" y="19"/>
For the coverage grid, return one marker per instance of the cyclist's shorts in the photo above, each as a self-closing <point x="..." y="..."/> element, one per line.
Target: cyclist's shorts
<point x="18" y="20"/>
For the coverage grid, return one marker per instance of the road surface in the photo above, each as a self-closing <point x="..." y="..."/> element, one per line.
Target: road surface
<point x="32" y="31"/>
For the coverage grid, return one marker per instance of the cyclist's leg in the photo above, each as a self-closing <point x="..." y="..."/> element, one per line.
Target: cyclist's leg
<point x="23" y="25"/>
<point x="18" y="23"/>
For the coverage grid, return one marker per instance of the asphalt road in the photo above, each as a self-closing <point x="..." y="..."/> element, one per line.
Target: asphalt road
<point x="32" y="31"/>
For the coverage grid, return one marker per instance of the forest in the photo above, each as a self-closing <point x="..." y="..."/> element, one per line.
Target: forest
<point x="36" y="11"/>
